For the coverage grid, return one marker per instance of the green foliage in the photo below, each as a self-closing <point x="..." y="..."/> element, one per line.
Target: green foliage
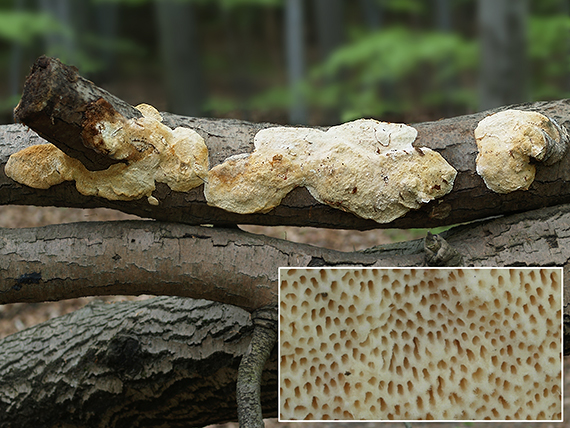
<point x="23" y="26"/>
<point x="366" y="70"/>
<point x="549" y="51"/>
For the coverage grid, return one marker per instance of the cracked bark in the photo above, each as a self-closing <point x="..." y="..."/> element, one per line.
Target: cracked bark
<point x="160" y="362"/>
<point x="453" y="138"/>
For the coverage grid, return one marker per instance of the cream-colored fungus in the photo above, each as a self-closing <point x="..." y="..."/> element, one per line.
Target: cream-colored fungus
<point x="366" y="167"/>
<point x="152" y="151"/>
<point x="508" y="140"/>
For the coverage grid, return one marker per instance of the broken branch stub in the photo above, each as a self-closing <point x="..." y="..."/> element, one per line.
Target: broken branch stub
<point x="366" y="167"/>
<point x="57" y="103"/>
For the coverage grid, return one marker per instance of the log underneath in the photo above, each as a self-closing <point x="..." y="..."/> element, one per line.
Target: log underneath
<point x="163" y="362"/>
<point x="232" y="266"/>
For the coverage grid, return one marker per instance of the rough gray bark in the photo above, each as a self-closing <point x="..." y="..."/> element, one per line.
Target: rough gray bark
<point x="160" y="362"/>
<point x="232" y="266"/>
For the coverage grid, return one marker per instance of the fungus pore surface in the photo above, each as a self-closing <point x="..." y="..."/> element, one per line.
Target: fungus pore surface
<point x="366" y="167"/>
<point x="151" y="151"/>
<point x="508" y="140"/>
<point x="420" y="344"/>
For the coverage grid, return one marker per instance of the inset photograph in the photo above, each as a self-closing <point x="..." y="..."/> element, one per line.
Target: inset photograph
<point x="461" y="344"/>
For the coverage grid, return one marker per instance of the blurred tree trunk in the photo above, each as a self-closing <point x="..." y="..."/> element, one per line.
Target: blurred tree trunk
<point x="106" y="24"/>
<point x="238" y="53"/>
<point x="295" y="53"/>
<point x="504" y="66"/>
<point x="443" y="23"/>
<point x="180" y="56"/>
<point x="372" y="13"/>
<point x="15" y="66"/>
<point x="63" y="46"/>
<point x="329" y="18"/>
<point x="565" y="10"/>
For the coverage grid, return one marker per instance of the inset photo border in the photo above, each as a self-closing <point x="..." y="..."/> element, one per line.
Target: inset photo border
<point x="409" y="344"/>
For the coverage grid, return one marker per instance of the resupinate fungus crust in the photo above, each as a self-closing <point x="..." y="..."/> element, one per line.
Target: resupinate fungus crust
<point x="366" y="167"/>
<point x="151" y="151"/>
<point x="508" y="140"/>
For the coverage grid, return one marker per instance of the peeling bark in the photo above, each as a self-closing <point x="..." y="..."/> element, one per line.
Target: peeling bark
<point x="160" y="362"/>
<point x="453" y="138"/>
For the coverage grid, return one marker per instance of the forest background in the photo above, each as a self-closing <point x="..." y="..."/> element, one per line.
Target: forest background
<point x="316" y="62"/>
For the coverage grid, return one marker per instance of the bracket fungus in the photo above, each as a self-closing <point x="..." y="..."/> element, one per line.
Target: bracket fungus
<point x="508" y="140"/>
<point x="366" y="167"/>
<point x="151" y="151"/>
<point x="420" y="344"/>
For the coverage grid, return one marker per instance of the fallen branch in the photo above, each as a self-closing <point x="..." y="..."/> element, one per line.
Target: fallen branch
<point x="141" y="362"/>
<point x="160" y="362"/>
<point x="232" y="266"/>
<point x="453" y="138"/>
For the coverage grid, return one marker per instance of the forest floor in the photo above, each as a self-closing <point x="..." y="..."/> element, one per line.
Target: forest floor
<point x="16" y="317"/>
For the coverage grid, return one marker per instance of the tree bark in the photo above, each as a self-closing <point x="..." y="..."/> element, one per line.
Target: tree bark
<point x="146" y="364"/>
<point x="232" y="266"/>
<point x="63" y="113"/>
<point x="58" y="104"/>
<point x="160" y="362"/>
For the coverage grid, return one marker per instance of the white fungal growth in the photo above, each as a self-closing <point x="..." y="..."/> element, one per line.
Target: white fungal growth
<point x="508" y="140"/>
<point x="366" y="167"/>
<point x="154" y="153"/>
